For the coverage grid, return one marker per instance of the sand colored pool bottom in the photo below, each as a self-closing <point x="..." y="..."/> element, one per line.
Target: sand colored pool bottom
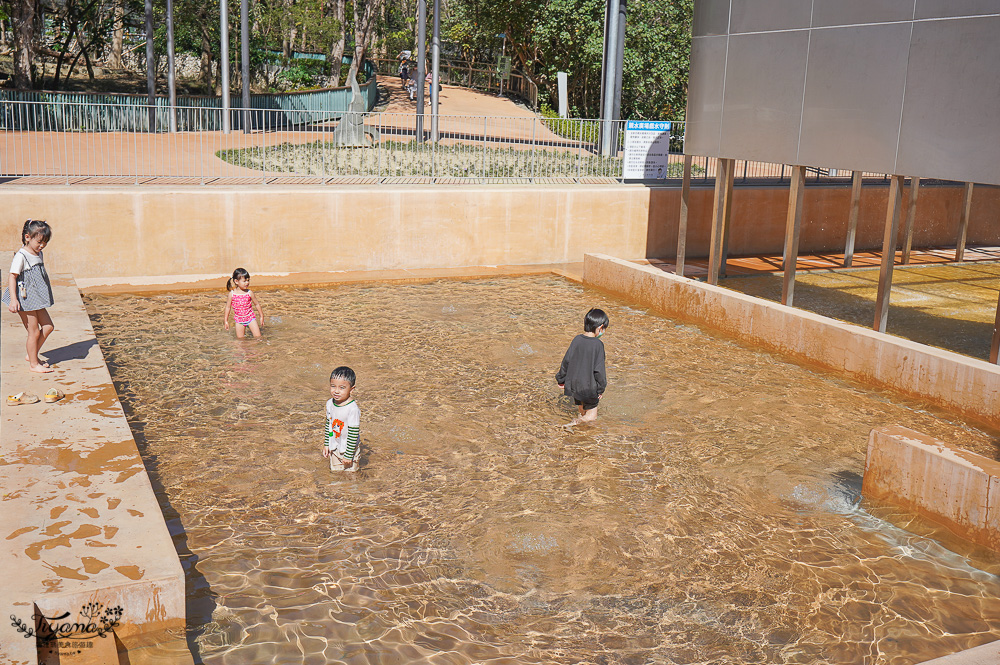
<point x="711" y="517"/>
<point x="952" y="307"/>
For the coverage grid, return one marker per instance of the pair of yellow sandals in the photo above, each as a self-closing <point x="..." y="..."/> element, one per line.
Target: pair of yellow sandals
<point x="52" y="395"/>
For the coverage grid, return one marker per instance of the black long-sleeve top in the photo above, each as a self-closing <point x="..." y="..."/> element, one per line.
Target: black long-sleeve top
<point x="582" y="371"/>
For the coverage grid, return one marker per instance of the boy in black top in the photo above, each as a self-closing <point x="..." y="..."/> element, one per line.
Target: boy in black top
<point x="581" y="375"/>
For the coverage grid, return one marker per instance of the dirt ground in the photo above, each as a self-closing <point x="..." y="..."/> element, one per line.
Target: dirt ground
<point x="106" y="80"/>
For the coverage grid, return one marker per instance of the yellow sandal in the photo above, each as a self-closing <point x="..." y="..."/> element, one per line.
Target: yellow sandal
<point x="21" y="398"/>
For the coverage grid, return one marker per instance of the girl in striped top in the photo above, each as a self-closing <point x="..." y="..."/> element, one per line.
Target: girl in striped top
<point x="241" y="302"/>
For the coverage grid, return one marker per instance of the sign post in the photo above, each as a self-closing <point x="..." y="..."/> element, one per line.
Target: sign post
<point x="562" y="79"/>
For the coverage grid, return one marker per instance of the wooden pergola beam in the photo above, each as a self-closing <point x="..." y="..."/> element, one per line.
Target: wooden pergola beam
<point x="963" y="223"/>
<point x="721" y="208"/>
<point x="888" y="252"/>
<point x="793" y="223"/>
<point x="682" y="221"/>
<point x="852" y="218"/>
<point x="911" y="215"/>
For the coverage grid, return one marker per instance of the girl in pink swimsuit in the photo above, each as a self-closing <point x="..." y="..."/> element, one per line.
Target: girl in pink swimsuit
<point x="241" y="302"/>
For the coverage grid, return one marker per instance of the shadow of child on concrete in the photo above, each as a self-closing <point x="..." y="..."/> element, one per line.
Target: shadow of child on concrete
<point x="74" y="351"/>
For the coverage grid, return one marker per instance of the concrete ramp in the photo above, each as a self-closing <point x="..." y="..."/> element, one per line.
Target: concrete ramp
<point x="83" y="538"/>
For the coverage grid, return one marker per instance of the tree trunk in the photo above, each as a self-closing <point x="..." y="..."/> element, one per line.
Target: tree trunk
<point x="339" y="44"/>
<point x="62" y="54"/>
<point x="364" y="20"/>
<point x="205" y="72"/>
<point x="118" y="38"/>
<point x="288" y="36"/>
<point x="86" y="59"/>
<point x="24" y="15"/>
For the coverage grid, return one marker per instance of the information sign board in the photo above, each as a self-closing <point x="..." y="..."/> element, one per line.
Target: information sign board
<point x="647" y="149"/>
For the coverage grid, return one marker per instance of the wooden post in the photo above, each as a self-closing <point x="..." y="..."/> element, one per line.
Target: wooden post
<point x="963" y="224"/>
<point x="852" y="218"/>
<point x="728" y="216"/>
<point x="911" y="214"/>
<point x="682" y="221"/>
<point x="888" y="252"/>
<point x="995" y="344"/>
<point x="792" y="225"/>
<point x="723" y="174"/>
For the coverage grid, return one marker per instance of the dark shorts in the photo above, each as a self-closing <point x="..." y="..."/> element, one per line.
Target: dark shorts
<point x="586" y="404"/>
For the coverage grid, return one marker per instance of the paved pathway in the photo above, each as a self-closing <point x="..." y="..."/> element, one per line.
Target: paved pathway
<point x="192" y="157"/>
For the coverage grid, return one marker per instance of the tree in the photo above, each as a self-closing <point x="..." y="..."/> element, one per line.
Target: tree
<point x="550" y="36"/>
<point x="365" y="12"/>
<point x="336" y="53"/>
<point x="26" y="21"/>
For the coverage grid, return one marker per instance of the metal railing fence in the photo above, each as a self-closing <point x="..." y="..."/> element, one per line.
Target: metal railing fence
<point x="87" y="142"/>
<point x="35" y="110"/>
<point x="307" y="149"/>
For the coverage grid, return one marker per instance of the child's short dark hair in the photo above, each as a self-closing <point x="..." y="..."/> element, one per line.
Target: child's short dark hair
<point x="594" y="319"/>
<point x="344" y="374"/>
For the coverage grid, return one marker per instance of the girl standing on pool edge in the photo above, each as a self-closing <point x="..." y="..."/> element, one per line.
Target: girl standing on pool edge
<point x="242" y="301"/>
<point x="28" y="291"/>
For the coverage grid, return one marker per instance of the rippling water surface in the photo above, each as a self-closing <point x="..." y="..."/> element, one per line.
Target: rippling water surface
<point x="711" y="516"/>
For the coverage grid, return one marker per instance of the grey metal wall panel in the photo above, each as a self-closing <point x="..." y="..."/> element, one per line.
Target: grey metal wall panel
<point x="763" y="98"/>
<point x="705" y="88"/>
<point x="711" y="17"/>
<point x="844" y="12"/>
<point x="853" y="96"/>
<point x="947" y="8"/>
<point x="951" y="113"/>
<point x="757" y="15"/>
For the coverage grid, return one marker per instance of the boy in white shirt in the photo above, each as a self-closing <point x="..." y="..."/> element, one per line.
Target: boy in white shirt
<point x="343" y="422"/>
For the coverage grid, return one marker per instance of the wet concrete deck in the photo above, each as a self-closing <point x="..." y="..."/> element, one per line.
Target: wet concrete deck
<point x="79" y="520"/>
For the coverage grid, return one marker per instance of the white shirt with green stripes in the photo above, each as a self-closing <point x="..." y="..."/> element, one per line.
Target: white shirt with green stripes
<point x="343" y="428"/>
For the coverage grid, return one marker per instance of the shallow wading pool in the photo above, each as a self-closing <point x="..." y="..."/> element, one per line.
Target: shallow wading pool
<point x="711" y="516"/>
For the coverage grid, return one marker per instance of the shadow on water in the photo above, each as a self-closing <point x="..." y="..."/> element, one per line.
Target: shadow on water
<point x="970" y="338"/>
<point x="198" y="597"/>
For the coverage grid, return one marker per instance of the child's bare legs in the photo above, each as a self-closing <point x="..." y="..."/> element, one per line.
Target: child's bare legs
<point x="241" y="330"/>
<point x="39" y="326"/>
<point x="586" y="415"/>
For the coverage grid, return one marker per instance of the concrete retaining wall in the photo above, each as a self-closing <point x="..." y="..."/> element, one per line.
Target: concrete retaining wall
<point x="79" y="522"/>
<point x="953" y="487"/>
<point x="116" y="233"/>
<point x="962" y="384"/>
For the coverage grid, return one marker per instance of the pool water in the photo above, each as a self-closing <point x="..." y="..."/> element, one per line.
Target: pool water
<point x="712" y="515"/>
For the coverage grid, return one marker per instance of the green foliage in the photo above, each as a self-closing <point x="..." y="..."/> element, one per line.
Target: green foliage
<point x="568" y="35"/>
<point x="303" y="73"/>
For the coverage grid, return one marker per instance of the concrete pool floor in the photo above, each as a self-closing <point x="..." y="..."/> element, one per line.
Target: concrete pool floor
<point x="13" y="364"/>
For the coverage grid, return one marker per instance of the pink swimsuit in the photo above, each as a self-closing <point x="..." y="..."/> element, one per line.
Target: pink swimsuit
<point x="243" y="308"/>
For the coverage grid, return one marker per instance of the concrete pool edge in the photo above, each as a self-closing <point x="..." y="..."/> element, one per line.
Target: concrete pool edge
<point x="959" y="383"/>
<point x="953" y="487"/>
<point x="180" y="283"/>
<point x="81" y="523"/>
